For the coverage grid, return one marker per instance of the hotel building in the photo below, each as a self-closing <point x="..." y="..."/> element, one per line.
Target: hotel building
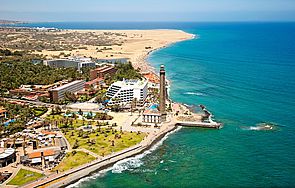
<point x="123" y="92"/>
<point x="58" y="93"/>
<point x="101" y="72"/>
<point x="76" y="62"/>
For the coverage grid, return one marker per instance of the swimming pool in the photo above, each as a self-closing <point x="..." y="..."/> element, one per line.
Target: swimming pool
<point x="8" y="122"/>
<point x="154" y="107"/>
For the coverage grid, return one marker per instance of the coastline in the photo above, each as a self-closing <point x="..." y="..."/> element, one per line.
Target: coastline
<point x="142" y="61"/>
<point x="68" y="178"/>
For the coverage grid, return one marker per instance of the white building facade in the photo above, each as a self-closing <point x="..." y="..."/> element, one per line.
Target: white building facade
<point x="124" y="92"/>
<point x="76" y="62"/>
<point x="151" y="116"/>
<point x="59" y="92"/>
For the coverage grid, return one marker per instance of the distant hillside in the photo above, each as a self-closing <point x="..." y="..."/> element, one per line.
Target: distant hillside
<point x="10" y="22"/>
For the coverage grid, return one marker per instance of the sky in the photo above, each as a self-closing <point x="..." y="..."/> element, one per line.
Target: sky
<point x="147" y="10"/>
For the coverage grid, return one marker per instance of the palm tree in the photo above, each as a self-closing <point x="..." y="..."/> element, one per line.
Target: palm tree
<point x="99" y="125"/>
<point x="133" y="105"/>
<point x="58" y="109"/>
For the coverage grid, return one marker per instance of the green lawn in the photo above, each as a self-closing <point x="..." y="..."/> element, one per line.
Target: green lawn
<point x="72" y="160"/>
<point x="102" y="144"/>
<point x="24" y="176"/>
<point x="39" y="112"/>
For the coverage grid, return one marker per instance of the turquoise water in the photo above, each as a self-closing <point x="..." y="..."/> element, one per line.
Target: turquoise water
<point x="244" y="74"/>
<point x="153" y="107"/>
<point x="8" y="122"/>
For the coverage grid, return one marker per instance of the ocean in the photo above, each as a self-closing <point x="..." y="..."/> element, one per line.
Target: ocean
<point x="244" y="73"/>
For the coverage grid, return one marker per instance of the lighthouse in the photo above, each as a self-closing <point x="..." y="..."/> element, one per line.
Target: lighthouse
<point x="162" y="94"/>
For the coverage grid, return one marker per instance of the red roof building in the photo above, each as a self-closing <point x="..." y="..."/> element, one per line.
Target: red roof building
<point x="101" y="72"/>
<point x="94" y="83"/>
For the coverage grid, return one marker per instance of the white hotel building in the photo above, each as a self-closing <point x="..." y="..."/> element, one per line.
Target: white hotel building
<point x="76" y="62"/>
<point x="123" y="92"/>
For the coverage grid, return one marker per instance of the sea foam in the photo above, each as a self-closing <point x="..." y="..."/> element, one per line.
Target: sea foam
<point x="262" y="127"/>
<point x="135" y="162"/>
<point x="195" y="93"/>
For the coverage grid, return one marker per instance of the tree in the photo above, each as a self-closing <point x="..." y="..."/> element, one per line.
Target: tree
<point x="80" y="112"/>
<point x="89" y="115"/>
<point x="57" y="109"/>
<point x="69" y="96"/>
<point x="100" y="98"/>
<point x="76" y="144"/>
<point x="99" y="126"/>
<point x="68" y="112"/>
<point x="133" y="105"/>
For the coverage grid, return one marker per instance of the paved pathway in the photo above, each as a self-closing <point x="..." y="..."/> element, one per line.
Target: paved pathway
<point x="12" y="176"/>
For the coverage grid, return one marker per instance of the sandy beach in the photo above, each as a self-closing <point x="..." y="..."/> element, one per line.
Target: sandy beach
<point x="135" y="45"/>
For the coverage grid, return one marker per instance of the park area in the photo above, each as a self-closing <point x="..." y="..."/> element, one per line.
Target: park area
<point x="24" y="176"/>
<point x="103" y="141"/>
<point x="73" y="159"/>
<point x="39" y="111"/>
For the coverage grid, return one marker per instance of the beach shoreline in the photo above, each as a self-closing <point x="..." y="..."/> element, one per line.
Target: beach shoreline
<point x="142" y="61"/>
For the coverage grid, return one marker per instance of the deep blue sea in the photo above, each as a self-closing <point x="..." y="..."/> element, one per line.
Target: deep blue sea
<point x="245" y="74"/>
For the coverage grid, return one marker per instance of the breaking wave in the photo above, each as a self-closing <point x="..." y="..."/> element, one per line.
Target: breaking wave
<point x="195" y="93"/>
<point x="89" y="178"/>
<point x="135" y="162"/>
<point x="262" y="127"/>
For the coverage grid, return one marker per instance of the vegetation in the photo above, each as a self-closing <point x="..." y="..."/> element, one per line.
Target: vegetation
<point x="20" y="113"/>
<point x="101" y="96"/>
<point x="71" y="97"/>
<point x="126" y="70"/>
<point x="103" y="141"/>
<point x="72" y="122"/>
<point x="72" y="160"/>
<point x="17" y="70"/>
<point x="24" y="176"/>
<point x="65" y="122"/>
<point x="84" y="98"/>
<point x="39" y="111"/>
<point x="6" y="52"/>
<point x="29" y="39"/>
<point x="103" y="116"/>
<point x="15" y="74"/>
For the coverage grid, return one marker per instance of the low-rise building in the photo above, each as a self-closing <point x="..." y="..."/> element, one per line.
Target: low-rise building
<point x="76" y="62"/>
<point x="3" y="113"/>
<point x="19" y="92"/>
<point x="42" y="156"/>
<point x="94" y="83"/>
<point x="57" y="94"/>
<point x="7" y="156"/>
<point x="154" y="81"/>
<point x="124" y="92"/>
<point x="151" y="116"/>
<point x="101" y="72"/>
